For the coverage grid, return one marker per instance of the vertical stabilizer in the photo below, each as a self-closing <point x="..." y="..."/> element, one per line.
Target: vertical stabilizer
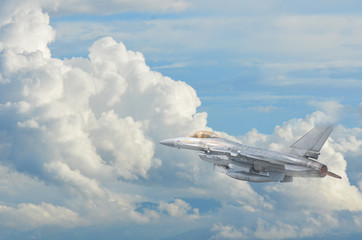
<point x="311" y="143"/>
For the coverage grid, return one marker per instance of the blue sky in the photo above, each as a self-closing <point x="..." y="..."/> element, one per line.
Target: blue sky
<point x="87" y="89"/>
<point x="264" y="59"/>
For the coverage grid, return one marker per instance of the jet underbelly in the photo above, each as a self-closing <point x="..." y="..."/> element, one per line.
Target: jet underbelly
<point x="256" y="177"/>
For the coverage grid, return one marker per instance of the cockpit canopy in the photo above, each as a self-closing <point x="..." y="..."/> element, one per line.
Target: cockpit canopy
<point x="204" y="134"/>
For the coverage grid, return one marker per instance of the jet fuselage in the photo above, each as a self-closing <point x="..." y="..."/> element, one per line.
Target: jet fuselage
<point x="249" y="163"/>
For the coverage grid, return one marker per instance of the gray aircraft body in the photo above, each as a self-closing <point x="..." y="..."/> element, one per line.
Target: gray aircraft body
<point x="259" y="165"/>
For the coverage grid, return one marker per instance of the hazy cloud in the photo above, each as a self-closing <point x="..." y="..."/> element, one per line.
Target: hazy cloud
<point x="265" y="109"/>
<point x="28" y="215"/>
<point x="226" y="232"/>
<point x="278" y="231"/>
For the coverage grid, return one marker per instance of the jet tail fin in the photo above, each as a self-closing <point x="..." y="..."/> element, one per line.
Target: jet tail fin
<point x="311" y="143"/>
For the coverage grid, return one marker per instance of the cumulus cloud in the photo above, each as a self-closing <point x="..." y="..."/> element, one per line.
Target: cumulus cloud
<point x="25" y="20"/>
<point x="347" y="141"/>
<point x="312" y="206"/>
<point x="80" y="124"/>
<point x="322" y="199"/>
<point x="333" y="109"/>
<point x="339" y="195"/>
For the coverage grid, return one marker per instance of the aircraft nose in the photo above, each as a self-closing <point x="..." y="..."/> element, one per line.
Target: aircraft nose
<point x="167" y="142"/>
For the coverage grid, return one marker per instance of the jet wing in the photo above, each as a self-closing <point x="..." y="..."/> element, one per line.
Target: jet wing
<point x="311" y="143"/>
<point x="261" y="164"/>
<point x="242" y="155"/>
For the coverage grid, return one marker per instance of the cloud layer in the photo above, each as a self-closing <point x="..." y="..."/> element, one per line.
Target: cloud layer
<point x="77" y="149"/>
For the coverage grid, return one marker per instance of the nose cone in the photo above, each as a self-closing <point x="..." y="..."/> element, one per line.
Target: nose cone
<point x="168" y="142"/>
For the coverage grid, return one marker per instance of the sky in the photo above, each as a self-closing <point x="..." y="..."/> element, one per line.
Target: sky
<point x="88" y="88"/>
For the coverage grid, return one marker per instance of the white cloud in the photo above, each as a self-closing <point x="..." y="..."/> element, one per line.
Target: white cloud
<point x="226" y="232"/>
<point x="80" y="133"/>
<point x="309" y="224"/>
<point x="26" y="21"/>
<point x="333" y="109"/>
<point x="111" y="137"/>
<point x="82" y="124"/>
<point x="239" y="192"/>
<point x="332" y="194"/>
<point x="348" y="141"/>
<point x="74" y="179"/>
<point x="179" y="208"/>
<point x="278" y="231"/>
<point x="174" y="65"/>
<point x="28" y="215"/>
<point x="316" y="202"/>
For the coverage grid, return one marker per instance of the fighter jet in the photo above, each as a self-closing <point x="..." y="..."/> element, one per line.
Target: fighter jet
<point x="259" y="165"/>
